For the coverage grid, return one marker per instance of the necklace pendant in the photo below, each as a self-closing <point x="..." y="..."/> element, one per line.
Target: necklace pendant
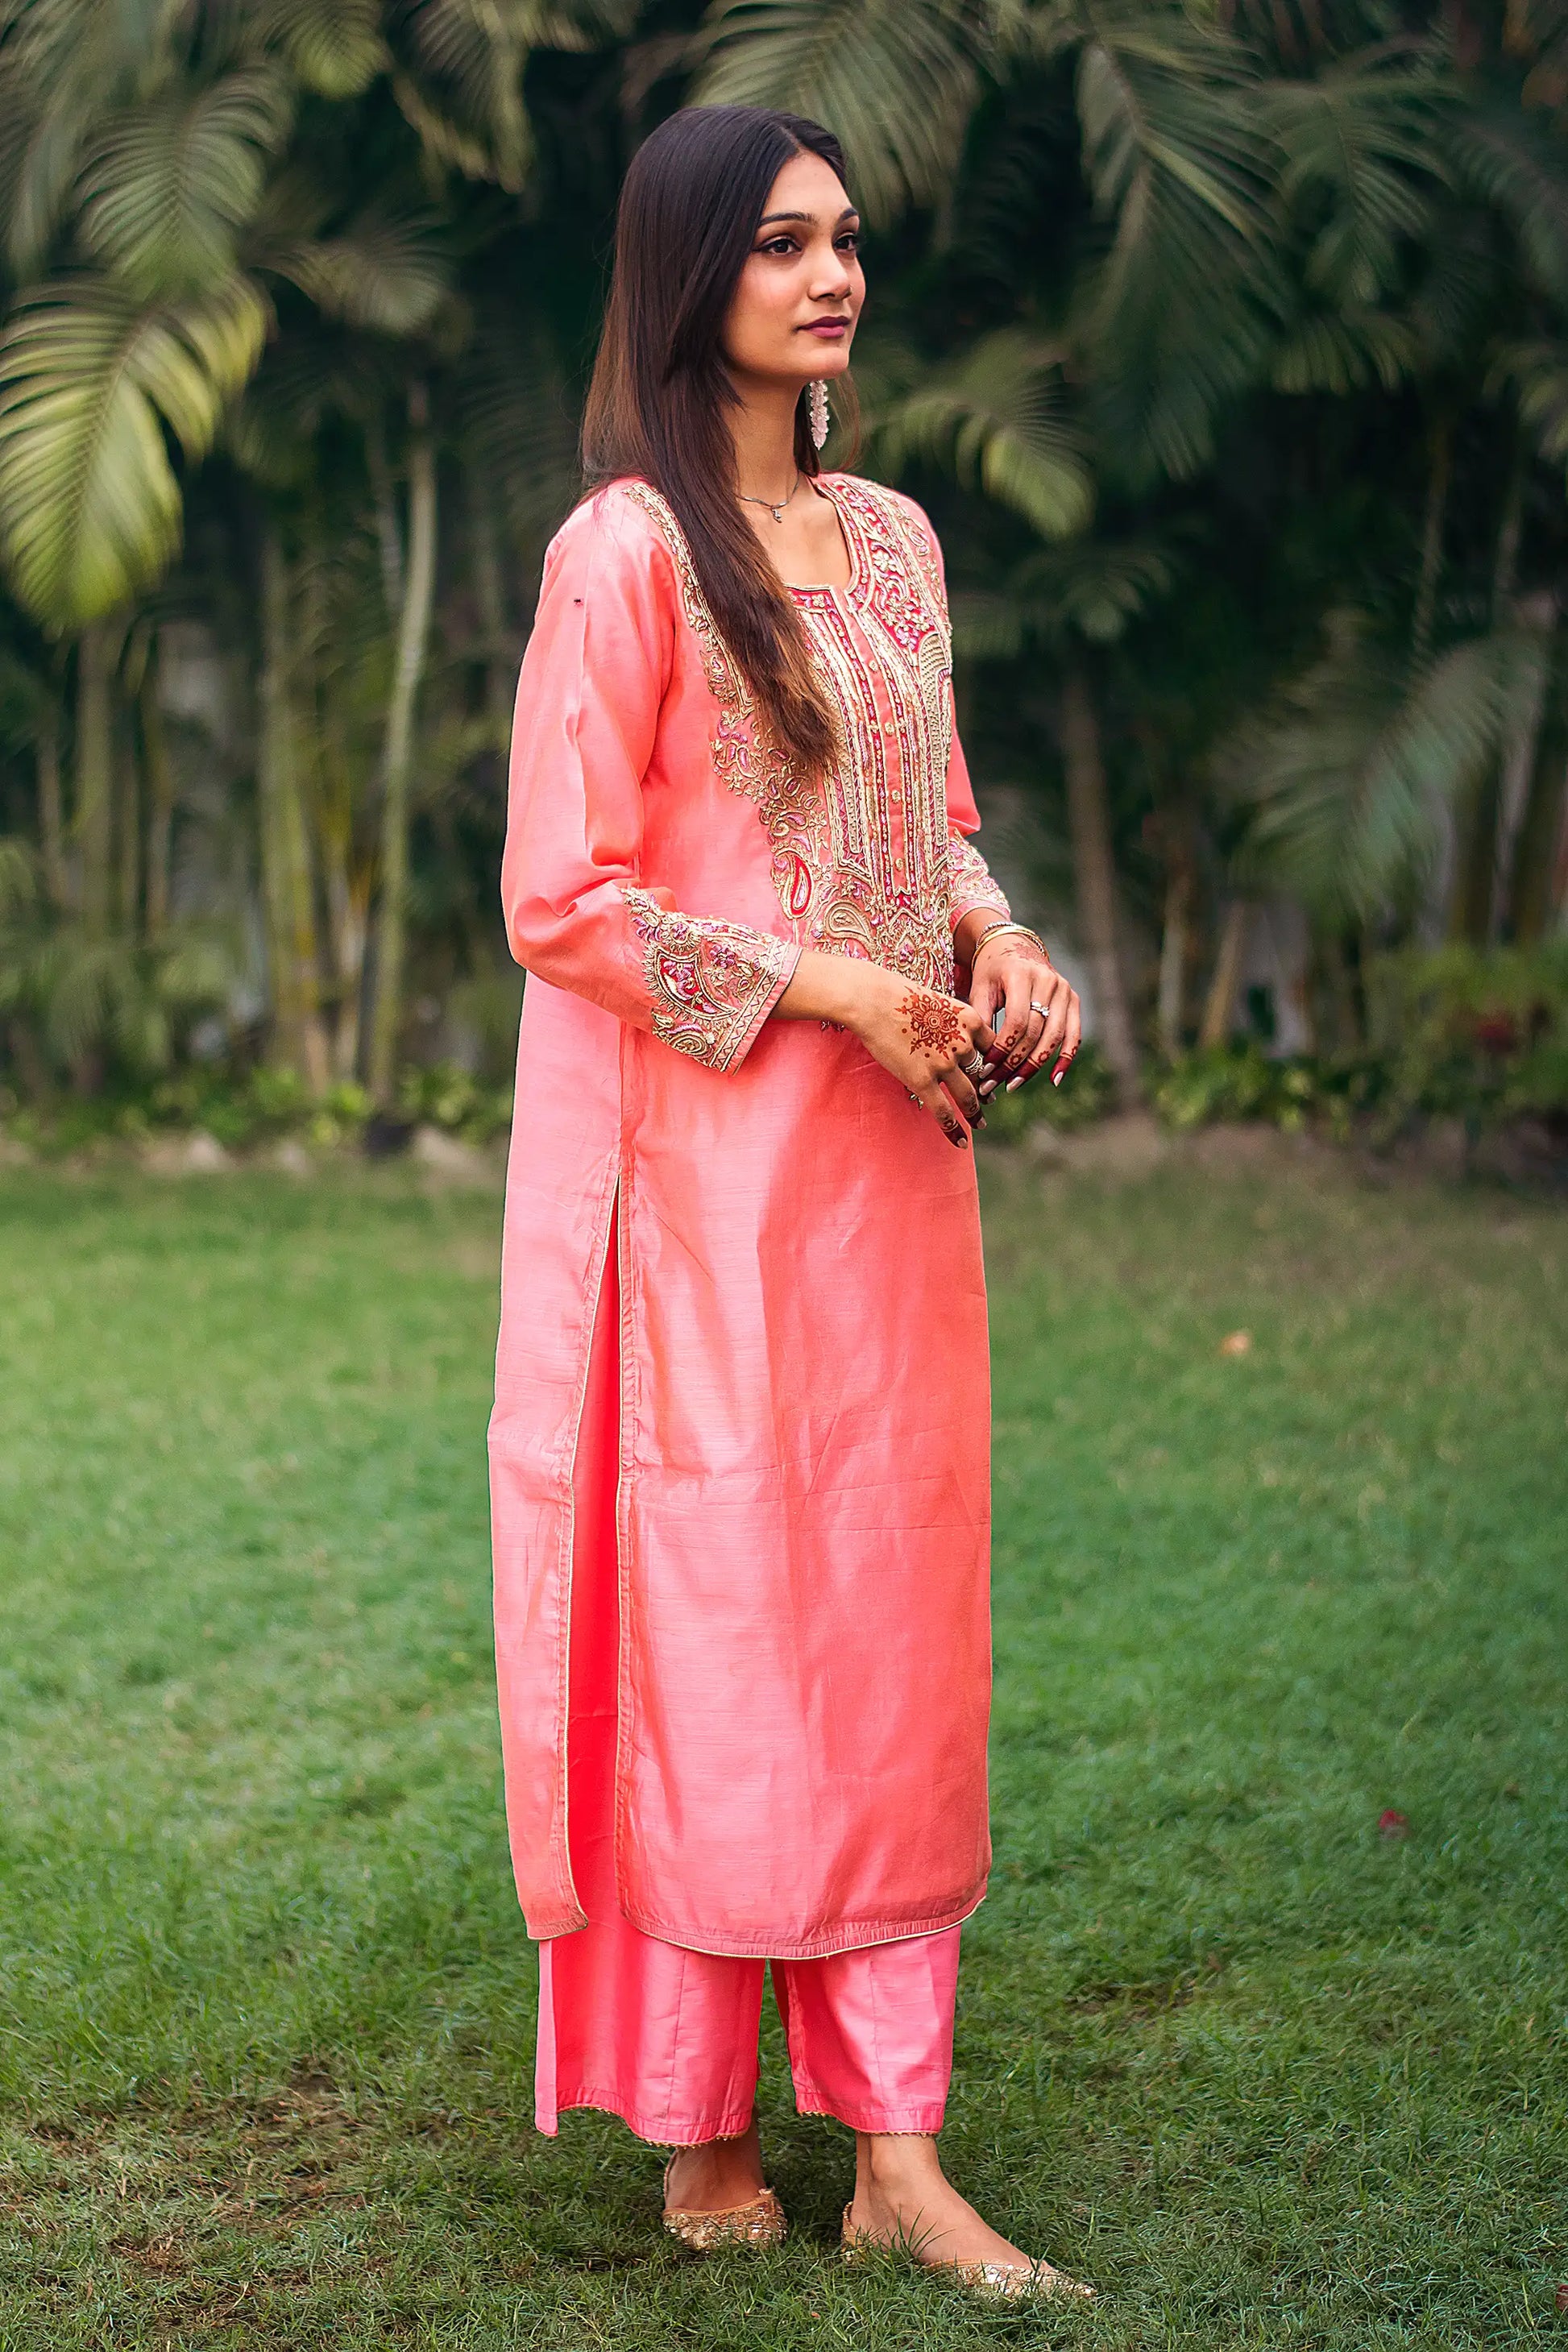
<point x="777" y="513"/>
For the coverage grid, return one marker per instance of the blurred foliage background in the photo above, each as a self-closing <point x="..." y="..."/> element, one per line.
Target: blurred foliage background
<point x="1227" y="345"/>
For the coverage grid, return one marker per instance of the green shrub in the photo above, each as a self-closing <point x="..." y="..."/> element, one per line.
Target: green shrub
<point x="448" y="1096"/>
<point x="1472" y="1033"/>
<point x="1085" y="1095"/>
<point x="1239" y="1082"/>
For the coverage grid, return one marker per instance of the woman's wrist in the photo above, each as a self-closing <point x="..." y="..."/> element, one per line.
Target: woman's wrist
<point x="844" y="990"/>
<point x="998" y="938"/>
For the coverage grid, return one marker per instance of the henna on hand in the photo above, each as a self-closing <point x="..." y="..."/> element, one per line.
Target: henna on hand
<point x="934" y="1022"/>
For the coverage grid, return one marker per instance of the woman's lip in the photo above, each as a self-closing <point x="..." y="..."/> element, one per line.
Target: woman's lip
<point x="827" y="327"/>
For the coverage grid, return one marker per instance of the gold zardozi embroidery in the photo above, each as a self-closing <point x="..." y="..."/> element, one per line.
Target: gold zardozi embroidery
<point x="863" y="861"/>
<point x="712" y="982"/>
<point x="969" y="882"/>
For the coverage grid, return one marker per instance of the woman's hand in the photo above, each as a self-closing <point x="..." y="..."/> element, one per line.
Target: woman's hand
<point x="1035" y="1014"/>
<point x="934" y="1045"/>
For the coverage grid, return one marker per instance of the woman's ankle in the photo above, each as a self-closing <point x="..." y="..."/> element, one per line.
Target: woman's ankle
<point x="716" y="2174"/>
<point x="889" y="2165"/>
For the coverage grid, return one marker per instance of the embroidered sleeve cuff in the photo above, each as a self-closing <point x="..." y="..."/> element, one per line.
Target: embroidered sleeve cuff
<point x="711" y="984"/>
<point x="969" y="882"/>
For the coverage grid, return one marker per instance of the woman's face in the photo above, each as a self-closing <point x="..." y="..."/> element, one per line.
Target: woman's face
<point x="799" y="295"/>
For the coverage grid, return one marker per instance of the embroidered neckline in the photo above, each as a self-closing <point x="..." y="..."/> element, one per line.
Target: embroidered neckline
<point x="805" y="592"/>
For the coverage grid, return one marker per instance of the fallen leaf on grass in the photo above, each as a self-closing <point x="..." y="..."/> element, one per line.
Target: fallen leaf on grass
<point x="1236" y="1343"/>
<point x="1391" y="1824"/>
<point x="1562" y="2294"/>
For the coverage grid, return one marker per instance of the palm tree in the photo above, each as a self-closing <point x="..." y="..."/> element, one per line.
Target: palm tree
<point x="164" y="178"/>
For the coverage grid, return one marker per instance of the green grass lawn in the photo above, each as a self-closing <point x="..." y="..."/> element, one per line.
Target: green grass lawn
<point x="1269" y="2077"/>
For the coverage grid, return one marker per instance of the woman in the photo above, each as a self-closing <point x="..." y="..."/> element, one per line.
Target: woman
<point x="739" y="1449"/>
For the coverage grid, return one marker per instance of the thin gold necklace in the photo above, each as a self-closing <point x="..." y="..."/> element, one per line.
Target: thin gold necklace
<point x="776" y="508"/>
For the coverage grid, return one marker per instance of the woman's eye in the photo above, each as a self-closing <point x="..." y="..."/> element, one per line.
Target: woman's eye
<point x="778" y="244"/>
<point x="850" y="242"/>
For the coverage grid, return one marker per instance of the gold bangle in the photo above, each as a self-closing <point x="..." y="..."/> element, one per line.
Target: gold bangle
<point x="995" y="931"/>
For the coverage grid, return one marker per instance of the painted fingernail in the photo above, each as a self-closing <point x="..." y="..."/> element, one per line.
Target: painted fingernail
<point x="1057" y="1076"/>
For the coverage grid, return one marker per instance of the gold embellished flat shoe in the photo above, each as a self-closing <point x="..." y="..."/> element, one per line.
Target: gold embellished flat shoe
<point x="994" y="2282"/>
<point x="759" y="2222"/>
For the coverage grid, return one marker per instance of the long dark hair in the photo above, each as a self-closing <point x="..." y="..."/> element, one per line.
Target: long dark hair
<point x="657" y="406"/>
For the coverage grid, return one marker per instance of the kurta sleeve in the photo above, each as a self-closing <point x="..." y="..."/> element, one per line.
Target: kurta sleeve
<point x="969" y="881"/>
<point x="579" y="912"/>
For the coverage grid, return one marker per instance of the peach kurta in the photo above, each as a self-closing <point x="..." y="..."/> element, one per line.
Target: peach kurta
<point x="803" y="1525"/>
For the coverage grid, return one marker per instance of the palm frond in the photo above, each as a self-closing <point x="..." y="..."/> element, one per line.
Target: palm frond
<point x="21" y="884"/>
<point x="387" y="271"/>
<point x="464" y="94"/>
<point x="988" y="625"/>
<point x="303" y="381"/>
<point x="88" y="992"/>
<point x="1346" y="781"/>
<point x="62" y="64"/>
<point x="1345" y="353"/>
<point x="895" y="79"/>
<point x="996" y="419"/>
<point x="165" y="190"/>
<point x="1090" y="588"/>
<point x="1539" y="374"/>
<point x="518" y="426"/>
<point x="1094" y="589"/>
<point x="1187" y="299"/>
<point x="90" y="380"/>
<point x="1458" y="284"/>
<point x="334" y="50"/>
<point x="1515" y="162"/>
<point x="1361" y="148"/>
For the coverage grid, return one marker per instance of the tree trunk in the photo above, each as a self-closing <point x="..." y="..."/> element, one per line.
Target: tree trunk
<point x="127" y="830"/>
<point x="51" y="820"/>
<point x="1475" y="877"/>
<point x="501" y="668"/>
<point x="1434" y="914"/>
<point x="1439" y="474"/>
<point x="1348" y="1033"/>
<point x="1173" y="940"/>
<point x="299" y="1038"/>
<point x="1519" y="762"/>
<point x="1094" y="875"/>
<point x="343" y="892"/>
<point x="397" y="758"/>
<point x="1531" y="893"/>
<point x="1218" y="1005"/>
<point x="388" y="538"/>
<point x="1472" y="896"/>
<point x="159" y="770"/>
<point x="95" y="771"/>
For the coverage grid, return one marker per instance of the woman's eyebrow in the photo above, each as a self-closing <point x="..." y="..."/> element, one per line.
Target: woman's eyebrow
<point x="808" y="220"/>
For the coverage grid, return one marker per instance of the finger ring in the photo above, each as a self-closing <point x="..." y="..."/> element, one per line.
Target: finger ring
<point x="1038" y="1008"/>
<point x="976" y="1061"/>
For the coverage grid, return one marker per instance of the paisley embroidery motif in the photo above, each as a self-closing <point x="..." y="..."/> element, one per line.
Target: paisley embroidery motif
<point x="712" y="982"/>
<point x="862" y="861"/>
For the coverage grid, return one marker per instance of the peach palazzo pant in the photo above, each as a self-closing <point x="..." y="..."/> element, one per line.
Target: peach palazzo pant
<point x="666" y="2038"/>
